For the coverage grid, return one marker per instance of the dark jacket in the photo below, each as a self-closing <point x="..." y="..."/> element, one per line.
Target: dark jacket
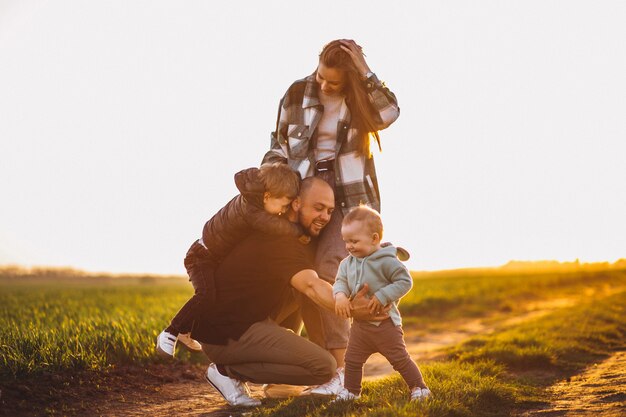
<point x="241" y="216"/>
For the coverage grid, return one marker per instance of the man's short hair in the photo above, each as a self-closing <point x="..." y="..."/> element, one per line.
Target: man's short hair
<point x="279" y="180"/>
<point x="368" y="216"/>
<point x="307" y="184"/>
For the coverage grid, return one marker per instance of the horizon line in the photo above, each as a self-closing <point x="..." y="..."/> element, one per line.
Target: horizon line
<point x="510" y="265"/>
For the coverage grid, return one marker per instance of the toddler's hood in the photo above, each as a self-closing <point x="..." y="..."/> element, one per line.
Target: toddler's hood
<point x="389" y="251"/>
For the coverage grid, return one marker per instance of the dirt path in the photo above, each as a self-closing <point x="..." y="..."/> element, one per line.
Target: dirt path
<point x="428" y="346"/>
<point x="600" y="391"/>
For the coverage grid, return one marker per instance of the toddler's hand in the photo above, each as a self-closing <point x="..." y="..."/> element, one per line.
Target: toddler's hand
<point x="342" y="306"/>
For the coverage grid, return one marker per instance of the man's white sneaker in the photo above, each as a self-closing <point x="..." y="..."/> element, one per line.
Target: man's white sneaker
<point x="332" y="387"/>
<point x="419" y="394"/>
<point x="345" y="395"/>
<point x="234" y="391"/>
<point x="185" y="339"/>
<point x="166" y="343"/>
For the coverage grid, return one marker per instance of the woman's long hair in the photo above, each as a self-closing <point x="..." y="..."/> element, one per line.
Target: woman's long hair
<point x="364" y="116"/>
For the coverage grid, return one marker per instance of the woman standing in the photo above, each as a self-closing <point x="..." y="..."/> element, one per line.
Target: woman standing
<point x="324" y="127"/>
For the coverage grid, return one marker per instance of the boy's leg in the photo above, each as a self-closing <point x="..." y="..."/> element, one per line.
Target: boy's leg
<point x="358" y="351"/>
<point x="183" y="320"/>
<point x="390" y="343"/>
<point x="200" y="271"/>
<point x="270" y="354"/>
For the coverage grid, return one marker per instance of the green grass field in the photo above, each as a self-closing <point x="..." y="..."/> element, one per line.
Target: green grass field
<point x="85" y="325"/>
<point x="476" y="293"/>
<point x="79" y="323"/>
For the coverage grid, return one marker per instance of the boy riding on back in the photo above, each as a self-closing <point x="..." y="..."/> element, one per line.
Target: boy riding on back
<point x="265" y="194"/>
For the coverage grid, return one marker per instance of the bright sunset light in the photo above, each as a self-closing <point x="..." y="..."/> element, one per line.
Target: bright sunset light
<point x="120" y="132"/>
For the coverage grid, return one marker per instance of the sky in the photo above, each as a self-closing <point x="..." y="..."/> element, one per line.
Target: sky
<point x="122" y="124"/>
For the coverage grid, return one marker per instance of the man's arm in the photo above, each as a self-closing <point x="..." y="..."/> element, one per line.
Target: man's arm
<point x="360" y="310"/>
<point x="318" y="290"/>
<point x="321" y="292"/>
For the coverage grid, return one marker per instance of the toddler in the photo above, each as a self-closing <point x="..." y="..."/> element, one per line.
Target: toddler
<point x="388" y="280"/>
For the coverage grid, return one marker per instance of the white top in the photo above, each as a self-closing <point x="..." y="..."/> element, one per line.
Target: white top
<point x="327" y="127"/>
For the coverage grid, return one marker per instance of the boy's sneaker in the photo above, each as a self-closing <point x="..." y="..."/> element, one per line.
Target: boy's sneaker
<point x="234" y="391"/>
<point x="332" y="387"/>
<point x="166" y="343"/>
<point x="191" y="344"/>
<point x="345" y="395"/>
<point x="419" y="394"/>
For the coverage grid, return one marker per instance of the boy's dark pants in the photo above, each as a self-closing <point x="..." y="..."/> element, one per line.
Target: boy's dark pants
<point x="200" y="269"/>
<point x="365" y="339"/>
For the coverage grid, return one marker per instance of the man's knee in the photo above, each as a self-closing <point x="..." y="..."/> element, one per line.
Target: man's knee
<point x="324" y="369"/>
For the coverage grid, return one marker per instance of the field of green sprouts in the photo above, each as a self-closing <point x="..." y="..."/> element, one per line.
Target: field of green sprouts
<point x="89" y="323"/>
<point x="48" y="326"/>
<point x="476" y="293"/>
<point x="51" y="322"/>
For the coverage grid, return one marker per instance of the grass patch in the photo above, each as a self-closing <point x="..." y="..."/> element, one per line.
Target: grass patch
<point x="459" y="389"/>
<point x="85" y="324"/>
<point x="566" y="340"/>
<point x="48" y="327"/>
<point x="462" y="294"/>
<point x="65" y="320"/>
<point x="491" y="375"/>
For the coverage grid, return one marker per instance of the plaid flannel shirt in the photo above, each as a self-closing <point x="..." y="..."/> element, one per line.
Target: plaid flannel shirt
<point x="295" y="139"/>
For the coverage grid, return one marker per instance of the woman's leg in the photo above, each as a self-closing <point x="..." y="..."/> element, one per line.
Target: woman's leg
<point x="323" y="327"/>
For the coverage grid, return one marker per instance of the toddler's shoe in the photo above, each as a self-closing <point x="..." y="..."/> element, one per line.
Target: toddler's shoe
<point x="185" y="339"/>
<point x="166" y="343"/>
<point x="419" y="394"/>
<point x="345" y="395"/>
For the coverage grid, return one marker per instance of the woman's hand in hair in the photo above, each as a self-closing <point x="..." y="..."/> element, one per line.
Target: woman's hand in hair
<point x="356" y="53"/>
